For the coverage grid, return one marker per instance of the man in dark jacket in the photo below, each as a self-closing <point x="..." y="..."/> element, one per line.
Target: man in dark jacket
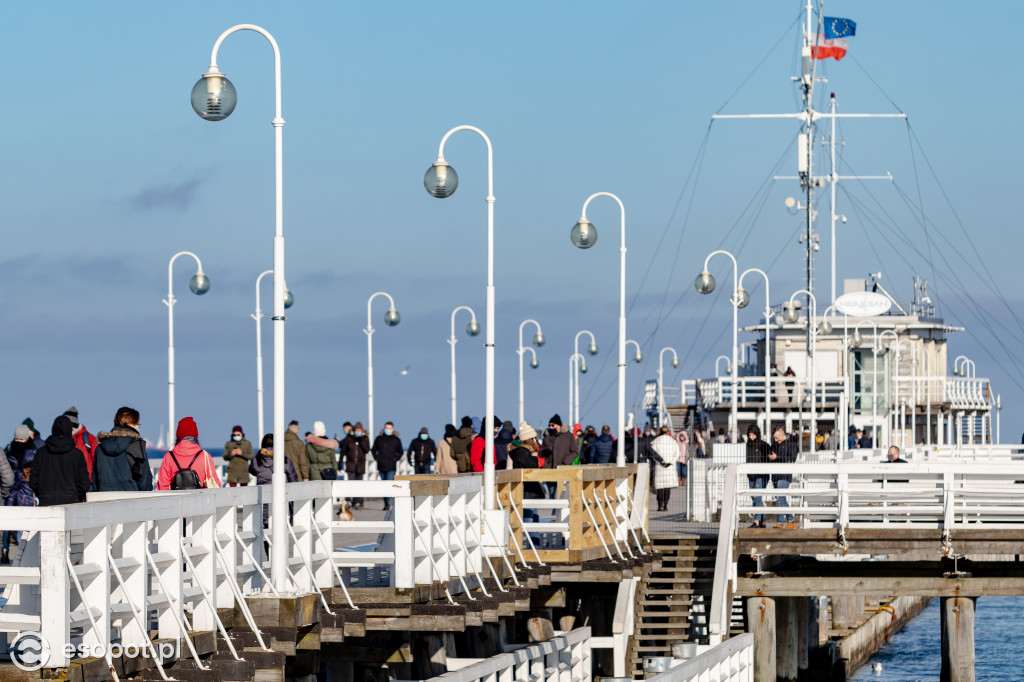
<point x="757" y="453"/>
<point x="387" y="451"/>
<point x="295" y="450"/>
<point x="601" y="448"/>
<point x="120" y="461"/>
<point x="353" y="458"/>
<point x="421" y="451"/>
<point x="461" y="444"/>
<point x="59" y="474"/>
<point x="559" y="447"/>
<point x="784" y="450"/>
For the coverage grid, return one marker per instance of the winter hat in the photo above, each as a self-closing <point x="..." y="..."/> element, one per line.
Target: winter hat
<point x="477" y="424"/>
<point x="29" y="423"/>
<point x="319" y="430"/>
<point x="22" y="432"/>
<point x="424" y="431"/>
<point x="466" y="421"/>
<point x="526" y="432"/>
<point x="358" y="427"/>
<point x="72" y="414"/>
<point x="449" y="431"/>
<point x="187" y="427"/>
<point x="555" y="420"/>
<point x="237" y="428"/>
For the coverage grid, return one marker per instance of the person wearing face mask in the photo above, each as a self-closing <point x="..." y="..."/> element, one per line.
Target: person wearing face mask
<point x="421" y="451"/>
<point x="387" y="451"/>
<point x="560" y="448"/>
<point x="238" y="453"/>
<point x="353" y="458"/>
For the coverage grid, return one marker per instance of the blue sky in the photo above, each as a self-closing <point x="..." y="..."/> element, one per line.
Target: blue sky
<point x="108" y="172"/>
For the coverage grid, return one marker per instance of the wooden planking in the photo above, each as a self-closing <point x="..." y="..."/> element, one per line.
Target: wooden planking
<point x="910" y="587"/>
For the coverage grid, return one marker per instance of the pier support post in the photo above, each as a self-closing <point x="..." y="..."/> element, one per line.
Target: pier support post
<point x="957" y="619"/>
<point x="807" y="631"/>
<point x="786" y="636"/>
<point x="761" y="622"/>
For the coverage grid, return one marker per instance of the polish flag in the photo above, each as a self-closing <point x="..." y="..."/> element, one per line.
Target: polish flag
<point x="824" y="49"/>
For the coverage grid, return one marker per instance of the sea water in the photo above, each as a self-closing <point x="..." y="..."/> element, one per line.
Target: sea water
<point x="914" y="653"/>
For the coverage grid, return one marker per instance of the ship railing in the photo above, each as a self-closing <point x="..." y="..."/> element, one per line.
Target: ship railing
<point x="783" y="390"/>
<point x="97" y="573"/>
<point x="968" y="393"/>
<point x="730" y="661"/>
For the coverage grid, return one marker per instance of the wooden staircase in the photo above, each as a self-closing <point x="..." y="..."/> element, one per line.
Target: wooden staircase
<point x="672" y="599"/>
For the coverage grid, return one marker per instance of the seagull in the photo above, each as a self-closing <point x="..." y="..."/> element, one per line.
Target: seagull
<point x="877" y="667"/>
<point x="405" y="372"/>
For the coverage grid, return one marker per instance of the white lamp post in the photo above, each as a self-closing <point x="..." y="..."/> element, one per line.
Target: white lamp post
<point x="592" y="350"/>
<point x="706" y="284"/>
<point x="538" y="341"/>
<point x="964" y="366"/>
<point x="742" y="300"/>
<point x="856" y="341"/>
<point x="577" y="366"/>
<point x="258" y="315"/>
<point x="791" y="315"/>
<point x="584" y="235"/>
<point x="214" y="98"/>
<point x="999" y="409"/>
<point x="441" y="180"/>
<point x="661" y="381"/>
<point x="391" y="318"/>
<point x="199" y="284"/>
<point x="472" y="329"/>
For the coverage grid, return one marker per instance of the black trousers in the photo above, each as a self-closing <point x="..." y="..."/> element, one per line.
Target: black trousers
<point x="663" y="496"/>
<point x="354" y="477"/>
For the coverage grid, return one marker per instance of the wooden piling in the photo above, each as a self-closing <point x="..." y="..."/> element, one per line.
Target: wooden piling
<point x="786" y="635"/>
<point x="957" y="622"/>
<point x="761" y="622"/>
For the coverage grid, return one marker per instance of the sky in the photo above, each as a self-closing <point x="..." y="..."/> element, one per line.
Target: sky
<point x="108" y="172"/>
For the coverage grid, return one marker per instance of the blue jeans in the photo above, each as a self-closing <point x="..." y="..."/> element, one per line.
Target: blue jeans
<point x="388" y="476"/>
<point x="758" y="482"/>
<point x="7" y="538"/>
<point x="782" y="501"/>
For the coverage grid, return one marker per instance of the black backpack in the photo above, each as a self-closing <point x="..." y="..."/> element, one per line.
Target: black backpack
<point x="186" y="479"/>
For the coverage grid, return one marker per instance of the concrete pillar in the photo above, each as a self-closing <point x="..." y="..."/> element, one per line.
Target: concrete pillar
<point x="761" y="622"/>
<point x="957" y="621"/>
<point x="786" y="635"/>
<point x="807" y="631"/>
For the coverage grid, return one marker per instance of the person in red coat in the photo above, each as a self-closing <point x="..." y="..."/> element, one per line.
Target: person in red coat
<point x="84" y="441"/>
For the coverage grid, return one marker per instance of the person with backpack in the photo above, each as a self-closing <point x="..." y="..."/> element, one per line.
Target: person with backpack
<point x="188" y="466"/>
<point x="121" y="462"/>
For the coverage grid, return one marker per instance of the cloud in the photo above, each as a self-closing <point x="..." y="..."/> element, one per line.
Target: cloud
<point x="173" y="195"/>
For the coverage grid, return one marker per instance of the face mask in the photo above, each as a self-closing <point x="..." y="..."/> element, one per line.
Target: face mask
<point x="552" y="431"/>
<point x="236" y="437"/>
<point x="359" y="434"/>
<point x="388" y="432"/>
<point x="424" y="436"/>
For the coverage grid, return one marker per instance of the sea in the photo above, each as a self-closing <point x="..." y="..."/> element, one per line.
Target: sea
<point x="914" y="652"/>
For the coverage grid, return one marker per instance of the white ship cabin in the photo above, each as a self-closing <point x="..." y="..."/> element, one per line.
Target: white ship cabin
<point x="888" y="374"/>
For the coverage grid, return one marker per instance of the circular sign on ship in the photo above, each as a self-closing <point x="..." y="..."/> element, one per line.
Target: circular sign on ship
<point x="863" y="304"/>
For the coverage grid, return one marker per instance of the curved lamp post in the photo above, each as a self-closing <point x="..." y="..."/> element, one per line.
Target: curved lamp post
<point x="391" y="318"/>
<point x="258" y="315"/>
<point x="472" y="329"/>
<point x="964" y="366"/>
<point x="441" y="180"/>
<point x="856" y="341"/>
<point x="538" y="341"/>
<point x="705" y="284"/>
<point x="728" y="366"/>
<point x="577" y="366"/>
<point x="742" y="300"/>
<point x="791" y="315"/>
<point x="891" y="417"/>
<point x="584" y="235"/>
<point x="661" y="381"/>
<point x="214" y="98"/>
<point x="591" y="350"/>
<point x="199" y="284"/>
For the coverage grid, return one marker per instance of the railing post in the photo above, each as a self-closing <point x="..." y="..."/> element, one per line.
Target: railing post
<point x="96" y="588"/>
<point x="322" y="516"/>
<point x="204" y="616"/>
<point x="168" y="545"/>
<point x="405" y="541"/>
<point x="301" y="526"/>
<point x="843" y="486"/>
<point x="134" y="540"/>
<point x="251" y="537"/>
<point x="423" y="511"/>
<point x="55" y="594"/>
<point x="948" y="501"/>
<point x="224" y="535"/>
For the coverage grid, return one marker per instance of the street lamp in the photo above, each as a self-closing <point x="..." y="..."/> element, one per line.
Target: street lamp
<point x="705" y="284"/>
<point x="661" y="381"/>
<point x="472" y="329"/>
<point x="857" y="341"/>
<point x="791" y="315"/>
<point x="289" y="300"/>
<point x="964" y="366"/>
<point x="592" y="350"/>
<point x="199" y="284"/>
<point x="577" y="366"/>
<point x="441" y="180"/>
<point x="742" y="300"/>
<point x="391" y="318"/>
<point x="584" y="235"/>
<point x="214" y="98"/>
<point x="728" y="367"/>
<point x="890" y="419"/>
<point x="638" y="356"/>
<point x="538" y="341"/>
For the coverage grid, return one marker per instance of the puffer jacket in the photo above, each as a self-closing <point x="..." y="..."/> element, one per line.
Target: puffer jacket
<point x="120" y="461"/>
<point x="262" y="467"/>
<point x="320" y="457"/>
<point x="295" y="450"/>
<point x="460" y="448"/>
<point x="238" y="465"/>
<point x="602" y="449"/>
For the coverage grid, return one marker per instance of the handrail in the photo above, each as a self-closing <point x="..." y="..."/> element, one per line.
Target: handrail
<point x="730" y="661"/>
<point x="721" y="607"/>
<point x="569" y="652"/>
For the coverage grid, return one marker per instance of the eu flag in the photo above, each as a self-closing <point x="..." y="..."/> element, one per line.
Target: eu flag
<point x="839" y="28"/>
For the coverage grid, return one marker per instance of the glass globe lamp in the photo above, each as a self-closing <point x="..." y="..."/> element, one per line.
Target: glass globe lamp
<point x="441" y="180"/>
<point x="391" y="317"/>
<point x="584" y="234"/>
<point x="199" y="284"/>
<point x="473" y="329"/>
<point x="705" y="282"/>
<point x="214" y="97"/>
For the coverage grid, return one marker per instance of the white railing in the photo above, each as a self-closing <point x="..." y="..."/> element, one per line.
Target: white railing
<point x="751" y="389"/>
<point x="730" y="661"/>
<point x="565" y="658"/>
<point x="402" y="468"/>
<point x="966" y="393"/>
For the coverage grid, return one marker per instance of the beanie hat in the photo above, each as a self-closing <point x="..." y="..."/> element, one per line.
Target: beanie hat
<point x="72" y="414"/>
<point x="29" y="423"/>
<point x="22" y="432"/>
<point x="424" y="431"/>
<point x="449" y="431"/>
<point x="187" y="427"/>
<point x="466" y="421"/>
<point x="319" y="430"/>
<point x="555" y="420"/>
<point x="526" y="432"/>
<point x="238" y="428"/>
<point x="358" y="426"/>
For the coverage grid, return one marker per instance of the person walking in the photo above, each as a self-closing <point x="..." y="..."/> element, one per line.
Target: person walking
<point x="665" y="451"/>
<point x="445" y="459"/>
<point x="421" y="451"/>
<point x="461" y="444"/>
<point x="121" y="462"/>
<point x="479" y="444"/>
<point x="295" y="450"/>
<point x="559" y="448"/>
<point x="757" y="453"/>
<point x="523" y="455"/>
<point x="353" y="453"/>
<point x="262" y="468"/>
<point x="600" y="447"/>
<point x="784" y="450"/>
<point x="84" y="441"/>
<point x="320" y="454"/>
<point x="59" y="474"/>
<point x="387" y="451"/>
<point x="188" y="466"/>
<point x="684" y="456"/>
<point x="238" y="453"/>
